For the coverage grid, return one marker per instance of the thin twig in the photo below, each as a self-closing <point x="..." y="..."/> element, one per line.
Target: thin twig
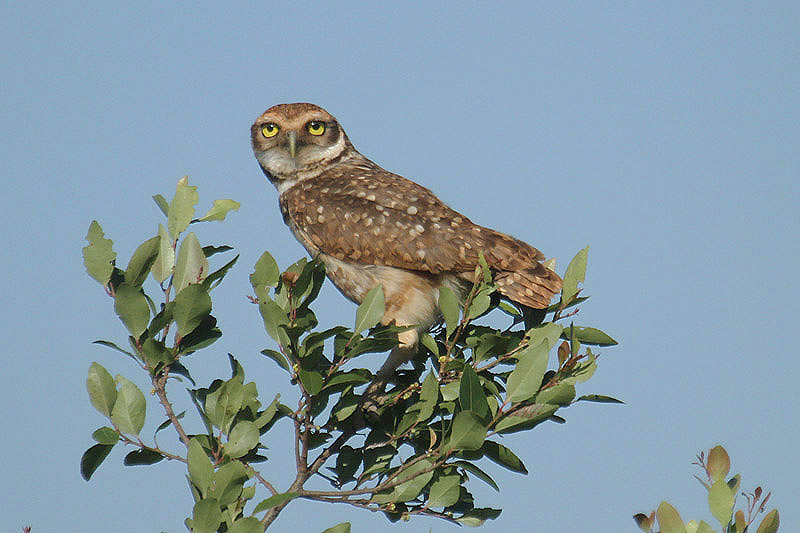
<point x="372" y="506"/>
<point x="159" y="385"/>
<point x="155" y="449"/>
<point x="256" y="474"/>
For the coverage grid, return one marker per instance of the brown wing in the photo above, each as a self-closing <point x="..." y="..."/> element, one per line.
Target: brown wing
<point x="381" y="218"/>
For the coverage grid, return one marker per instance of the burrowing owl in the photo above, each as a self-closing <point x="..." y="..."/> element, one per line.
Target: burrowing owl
<point x="371" y="227"/>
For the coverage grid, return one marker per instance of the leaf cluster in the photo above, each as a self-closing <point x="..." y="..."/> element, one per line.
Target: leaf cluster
<point x="722" y="495"/>
<point x="412" y="449"/>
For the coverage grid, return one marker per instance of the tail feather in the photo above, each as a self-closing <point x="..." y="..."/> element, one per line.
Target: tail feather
<point x="534" y="286"/>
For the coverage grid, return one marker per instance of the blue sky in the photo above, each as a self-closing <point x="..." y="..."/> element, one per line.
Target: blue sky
<point x="665" y="136"/>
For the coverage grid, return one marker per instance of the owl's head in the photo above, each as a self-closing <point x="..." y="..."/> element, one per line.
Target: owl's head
<point x="292" y="141"/>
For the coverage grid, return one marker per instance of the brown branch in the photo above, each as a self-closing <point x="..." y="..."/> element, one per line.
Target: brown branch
<point x="141" y="445"/>
<point x="273" y="513"/>
<point x="390" y="482"/>
<point x="256" y="474"/>
<point x="297" y="440"/>
<point x="374" y="507"/>
<point x="330" y="450"/>
<point x="159" y="385"/>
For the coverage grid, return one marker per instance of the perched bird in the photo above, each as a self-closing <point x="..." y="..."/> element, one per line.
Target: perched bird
<point x="372" y="227"/>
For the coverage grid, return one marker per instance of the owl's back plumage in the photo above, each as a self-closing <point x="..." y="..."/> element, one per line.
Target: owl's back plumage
<point x="380" y="218"/>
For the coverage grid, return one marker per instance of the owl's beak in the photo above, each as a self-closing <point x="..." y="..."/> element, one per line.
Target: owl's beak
<point x="292" y="143"/>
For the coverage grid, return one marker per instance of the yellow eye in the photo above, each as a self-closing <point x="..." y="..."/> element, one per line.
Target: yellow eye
<point x="316" y="127"/>
<point x="269" y="130"/>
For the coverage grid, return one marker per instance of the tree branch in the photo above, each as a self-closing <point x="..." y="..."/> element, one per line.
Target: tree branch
<point x="159" y="385"/>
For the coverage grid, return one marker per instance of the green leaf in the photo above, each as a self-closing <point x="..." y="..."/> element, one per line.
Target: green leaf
<point x="450" y="391"/>
<point x="311" y="380"/>
<point x="445" y="491"/>
<point x="480" y="304"/>
<point x="229" y="482"/>
<point x="318" y="338"/>
<point x="477" y="516"/>
<point x="105" y="435"/>
<point x="274" y="317"/>
<point x="702" y="527"/>
<point x="346" y="406"/>
<point x="181" y="208"/>
<point x="410" y="489"/>
<point x="165" y="260"/>
<point x="206" y="516"/>
<point x="428" y="396"/>
<point x="735" y="482"/>
<point x="131" y="306"/>
<point x="192" y="264"/>
<point x="503" y="456"/>
<point x="720" y="502"/>
<point x="141" y="261"/>
<point x="477" y="472"/>
<point x="166" y="423"/>
<point x="525" y="418"/>
<point x="561" y="394"/>
<point x="265" y="274"/>
<point x="278" y="358"/>
<point x="98" y="255"/>
<point x="344" y="527"/>
<point x="129" y="410"/>
<point x="356" y="377"/>
<point x="471" y="395"/>
<point x="215" y="278"/>
<point x="427" y="341"/>
<point x="598" y="398"/>
<point x="719" y="464"/>
<point x="208" y="251"/>
<point x="448" y="305"/>
<point x="220" y="210"/>
<point x="109" y="344"/>
<point x="370" y="311"/>
<point x="770" y="523"/>
<point x="156" y="352"/>
<point x="162" y="204"/>
<point x="591" y="336"/>
<point x="487" y="272"/>
<point x="246" y="524"/>
<point x="549" y="332"/>
<point x="92" y="458"/>
<point x="467" y="432"/>
<point x="102" y="389"/>
<point x="669" y="519"/>
<point x="509" y="309"/>
<point x="192" y="305"/>
<point x="526" y="378"/>
<point x="347" y="462"/>
<point x="576" y="273"/>
<point x="142" y="457"/>
<point x="274" y="501"/>
<point x="201" y="471"/>
<point x="243" y="438"/>
<point x="224" y="403"/>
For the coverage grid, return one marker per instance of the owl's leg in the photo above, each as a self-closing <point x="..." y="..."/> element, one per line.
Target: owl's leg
<point x="400" y="354"/>
<point x="410" y="300"/>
